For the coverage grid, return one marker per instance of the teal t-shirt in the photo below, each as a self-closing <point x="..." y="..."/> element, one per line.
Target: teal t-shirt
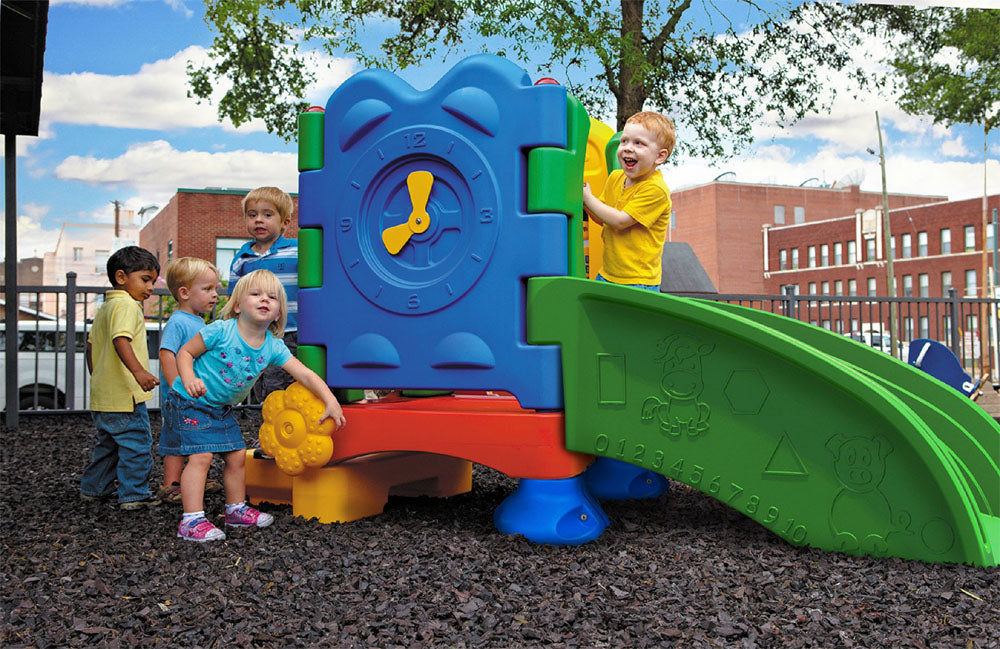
<point x="229" y="367"/>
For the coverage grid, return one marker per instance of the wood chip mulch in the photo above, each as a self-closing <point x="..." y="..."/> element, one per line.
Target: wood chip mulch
<point x="679" y="571"/>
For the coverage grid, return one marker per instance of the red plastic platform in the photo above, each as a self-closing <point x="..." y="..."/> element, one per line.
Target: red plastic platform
<point x="492" y="430"/>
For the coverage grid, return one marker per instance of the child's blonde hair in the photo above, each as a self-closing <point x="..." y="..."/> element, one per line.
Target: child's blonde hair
<point x="266" y="281"/>
<point x="183" y="271"/>
<point x="274" y="196"/>
<point x="660" y="126"/>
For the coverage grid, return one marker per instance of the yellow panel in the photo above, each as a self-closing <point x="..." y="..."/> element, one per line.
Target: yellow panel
<point x="595" y="172"/>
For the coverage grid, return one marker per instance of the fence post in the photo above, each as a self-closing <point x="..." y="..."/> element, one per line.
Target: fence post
<point x="788" y="297"/>
<point x="956" y="340"/>
<point x="70" y="341"/>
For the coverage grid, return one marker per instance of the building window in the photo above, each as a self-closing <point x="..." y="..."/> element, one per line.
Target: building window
<point x="989" y="236"/>
<point x="170" y="251"/>
<point x="892" y="247"/>
<point x="779" y="214"/>
<point x="852" y="252"/>
<point x="673" y="219"/>
<point x="840" y="326"/>
<point x="872" y="291"/>
<point x="870" y="249"/>
<point x="812" y="256"/>
<point x="945" y="241"/>
<point x="946" y="328"/>
<point x="854" y="324"/>
<point x="825" y="288"/>
<point x="812" y="291"/>
<point x="925" y="326"/>
<point x="800" y="214"/>
<point x="924" y="280"/>
<point x="838" y="287"/>
<point x="945" y="282"/>
<point x="101" y="260"/>
<point x="970" y="238"/>
<point x="795" y="258"/>
<point x="970" y="283"/>
<point x="908" y="328"/>
<point x="907" y="285"/>
<point x="922" y="244"/>
<point x="838" y="253"/>
<point x="783" y="259"/>
<point x="907" y="245"/>
<point x="826" y="325"/>
<point x="852" y="287"/>
<point x="824" y="255"/>
<point x="77" y="254"/>
<point x="225" y="251"/>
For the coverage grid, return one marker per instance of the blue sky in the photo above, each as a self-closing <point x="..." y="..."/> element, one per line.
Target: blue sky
<point x="116" y="125"/>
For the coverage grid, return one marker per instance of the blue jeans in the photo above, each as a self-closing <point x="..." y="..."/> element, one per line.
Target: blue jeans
<point x="123" y="450"/>
<point x="646" y="287"/>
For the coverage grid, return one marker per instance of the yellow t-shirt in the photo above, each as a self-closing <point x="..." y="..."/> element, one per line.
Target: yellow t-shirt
<point x="112" y="386"/>
<point x="633" y="255"/>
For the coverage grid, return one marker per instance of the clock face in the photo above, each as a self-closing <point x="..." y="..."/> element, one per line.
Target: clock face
<point x="419" y="221"/>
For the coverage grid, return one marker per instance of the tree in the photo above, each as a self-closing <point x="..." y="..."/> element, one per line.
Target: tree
<point x="717" y="73"/>
<point x="950" y="68"/>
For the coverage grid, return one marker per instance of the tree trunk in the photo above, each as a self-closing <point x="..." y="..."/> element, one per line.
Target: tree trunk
<point x="632" y="94"/>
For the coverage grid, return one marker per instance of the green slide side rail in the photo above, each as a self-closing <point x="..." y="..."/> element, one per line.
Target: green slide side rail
<point x="814" y="448"/>
<point x="957" y="421"/>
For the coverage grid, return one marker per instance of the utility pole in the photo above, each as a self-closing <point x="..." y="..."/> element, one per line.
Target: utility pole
<point x="117" y="205"/>
<point x="887" y="242"/>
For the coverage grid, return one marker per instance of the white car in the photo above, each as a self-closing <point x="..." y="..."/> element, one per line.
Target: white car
<point x="41" y="365"/>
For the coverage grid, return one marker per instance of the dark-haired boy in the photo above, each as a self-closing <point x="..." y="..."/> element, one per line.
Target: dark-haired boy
<point x="121" y="383"/>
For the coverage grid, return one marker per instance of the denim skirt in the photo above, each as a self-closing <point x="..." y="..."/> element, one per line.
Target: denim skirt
<point x="201" y="428"/>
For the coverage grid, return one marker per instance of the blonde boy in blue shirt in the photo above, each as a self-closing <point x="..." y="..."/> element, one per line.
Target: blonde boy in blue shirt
<point x="118" y="359"/>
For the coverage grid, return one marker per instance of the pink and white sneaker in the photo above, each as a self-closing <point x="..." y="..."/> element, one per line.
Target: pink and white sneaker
<point x="200" y="530"/>
<point x="247" y="516"/>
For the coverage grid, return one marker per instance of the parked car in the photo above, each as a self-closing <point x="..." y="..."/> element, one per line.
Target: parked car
<point x="873" y="338"/>
<point x="41" y="364"/>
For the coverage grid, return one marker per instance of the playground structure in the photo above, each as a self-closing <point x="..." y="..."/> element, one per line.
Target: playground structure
<point x="441" y="248"/>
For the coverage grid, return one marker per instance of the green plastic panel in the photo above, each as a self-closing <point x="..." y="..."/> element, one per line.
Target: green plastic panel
<point x="814" y="448"/>
<point x="555" y="181"/>
<point x="611" y="152"/>
<point x="310" y="257"/>
<point x="311" y="141"/>
<point x="313" y="357"/>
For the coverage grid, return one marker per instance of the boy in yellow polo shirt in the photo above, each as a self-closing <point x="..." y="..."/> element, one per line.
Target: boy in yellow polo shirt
<point x="634" y="207"/>
<point x="118" y="359"/>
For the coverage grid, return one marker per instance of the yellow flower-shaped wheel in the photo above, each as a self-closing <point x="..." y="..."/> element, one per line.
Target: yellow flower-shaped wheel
<point x="292" y="433"/>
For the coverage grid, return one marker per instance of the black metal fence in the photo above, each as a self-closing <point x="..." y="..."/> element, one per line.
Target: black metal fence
<point x="54" y="321"/>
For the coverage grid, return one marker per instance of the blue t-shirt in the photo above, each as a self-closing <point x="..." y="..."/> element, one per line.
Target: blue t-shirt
<point x="229" y="367"/>
<point x="180" y="328"/>
<point x="282" y="259"/>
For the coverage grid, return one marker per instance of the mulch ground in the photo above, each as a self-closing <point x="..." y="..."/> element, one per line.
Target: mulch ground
<point x="679" y="571"/>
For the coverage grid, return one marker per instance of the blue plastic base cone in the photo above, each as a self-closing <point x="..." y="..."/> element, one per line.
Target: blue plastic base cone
<point x="609" y="479"/>
<point x="557" y="512"/>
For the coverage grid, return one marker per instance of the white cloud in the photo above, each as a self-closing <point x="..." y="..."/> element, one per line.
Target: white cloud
<point x="904" y="173"/>
<point x="155" y="169"/>
<point x="156" y="96"/>
<point x="33" y="238"/>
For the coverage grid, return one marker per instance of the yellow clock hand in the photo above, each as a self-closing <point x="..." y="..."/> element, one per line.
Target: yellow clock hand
<point x="419" y="184"/>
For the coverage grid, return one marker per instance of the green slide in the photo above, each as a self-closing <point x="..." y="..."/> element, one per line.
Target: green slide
<point x="823" y="441"/>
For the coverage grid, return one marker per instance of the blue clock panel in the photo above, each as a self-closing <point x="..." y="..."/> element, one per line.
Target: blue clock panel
<point x="427" y="242"/>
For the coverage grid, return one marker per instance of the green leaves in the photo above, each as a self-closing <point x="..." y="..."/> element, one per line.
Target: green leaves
<point x="717" y="73"/>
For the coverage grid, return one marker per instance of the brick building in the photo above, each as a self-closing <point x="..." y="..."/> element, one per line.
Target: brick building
<point x="722" y="221"/>
<point x="205" y="223"/>
<point x="935" y="247"/>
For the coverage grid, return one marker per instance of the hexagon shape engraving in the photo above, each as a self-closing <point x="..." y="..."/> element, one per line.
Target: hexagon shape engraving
<point x="746" y="391"/>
